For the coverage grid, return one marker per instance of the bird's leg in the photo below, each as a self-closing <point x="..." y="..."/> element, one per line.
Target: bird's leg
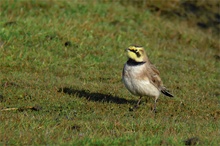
<point x="155" y="102"/>
<point x="138" y="103"/>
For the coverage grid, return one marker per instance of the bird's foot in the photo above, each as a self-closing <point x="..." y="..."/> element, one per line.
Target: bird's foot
<point x="134" y="108"/>
<point x="154" y="110"/>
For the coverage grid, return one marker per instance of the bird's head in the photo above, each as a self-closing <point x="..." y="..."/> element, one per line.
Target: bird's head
<point x="136" y="53"/>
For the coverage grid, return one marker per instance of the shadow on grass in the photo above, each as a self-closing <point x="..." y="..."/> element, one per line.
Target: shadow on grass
<point x="97" y="97"/>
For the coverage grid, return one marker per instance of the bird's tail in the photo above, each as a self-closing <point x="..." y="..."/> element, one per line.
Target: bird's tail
<point x="166" y="92"/>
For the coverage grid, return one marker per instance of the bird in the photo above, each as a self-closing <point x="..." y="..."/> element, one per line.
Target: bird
<point x="141" y="77"/>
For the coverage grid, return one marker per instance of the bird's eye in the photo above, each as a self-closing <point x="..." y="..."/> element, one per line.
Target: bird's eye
<point x="138" y="54"/>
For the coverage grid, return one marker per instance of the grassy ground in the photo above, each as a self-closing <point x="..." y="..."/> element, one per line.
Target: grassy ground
<point x="60" y="76"/>
<point x="196" y="13"/>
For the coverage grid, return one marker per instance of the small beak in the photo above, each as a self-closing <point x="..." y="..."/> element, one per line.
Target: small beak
<point x="126" y="49"/>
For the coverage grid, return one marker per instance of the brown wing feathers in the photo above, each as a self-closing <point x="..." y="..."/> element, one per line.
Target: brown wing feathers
<point x="156" y="80"/>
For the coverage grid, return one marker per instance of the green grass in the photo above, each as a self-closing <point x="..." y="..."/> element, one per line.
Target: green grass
<point x="65" y="59"/>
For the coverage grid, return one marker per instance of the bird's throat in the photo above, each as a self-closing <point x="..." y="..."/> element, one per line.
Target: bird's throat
<point x="134" y="63"/>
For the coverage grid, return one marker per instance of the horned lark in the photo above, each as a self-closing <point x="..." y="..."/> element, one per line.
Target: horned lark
<point x="141" y="77"/>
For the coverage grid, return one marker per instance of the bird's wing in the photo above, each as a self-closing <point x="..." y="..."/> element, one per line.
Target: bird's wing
<point x="153" y="75"/>
<point x="155" y="70"/>
<point x="156" y="80"/>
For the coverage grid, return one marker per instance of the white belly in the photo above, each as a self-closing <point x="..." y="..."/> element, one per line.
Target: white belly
<point x="137" y="86"/>
<point x="140" y="87"/>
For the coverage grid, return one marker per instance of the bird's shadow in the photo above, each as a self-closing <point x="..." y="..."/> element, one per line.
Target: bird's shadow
<point x="97" y="97"/>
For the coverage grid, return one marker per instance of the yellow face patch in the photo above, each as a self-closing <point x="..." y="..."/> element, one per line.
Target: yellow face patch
<point x="135" y="53"/>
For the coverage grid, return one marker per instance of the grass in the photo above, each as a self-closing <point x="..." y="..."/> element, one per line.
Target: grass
<point x="61" y="64"/>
